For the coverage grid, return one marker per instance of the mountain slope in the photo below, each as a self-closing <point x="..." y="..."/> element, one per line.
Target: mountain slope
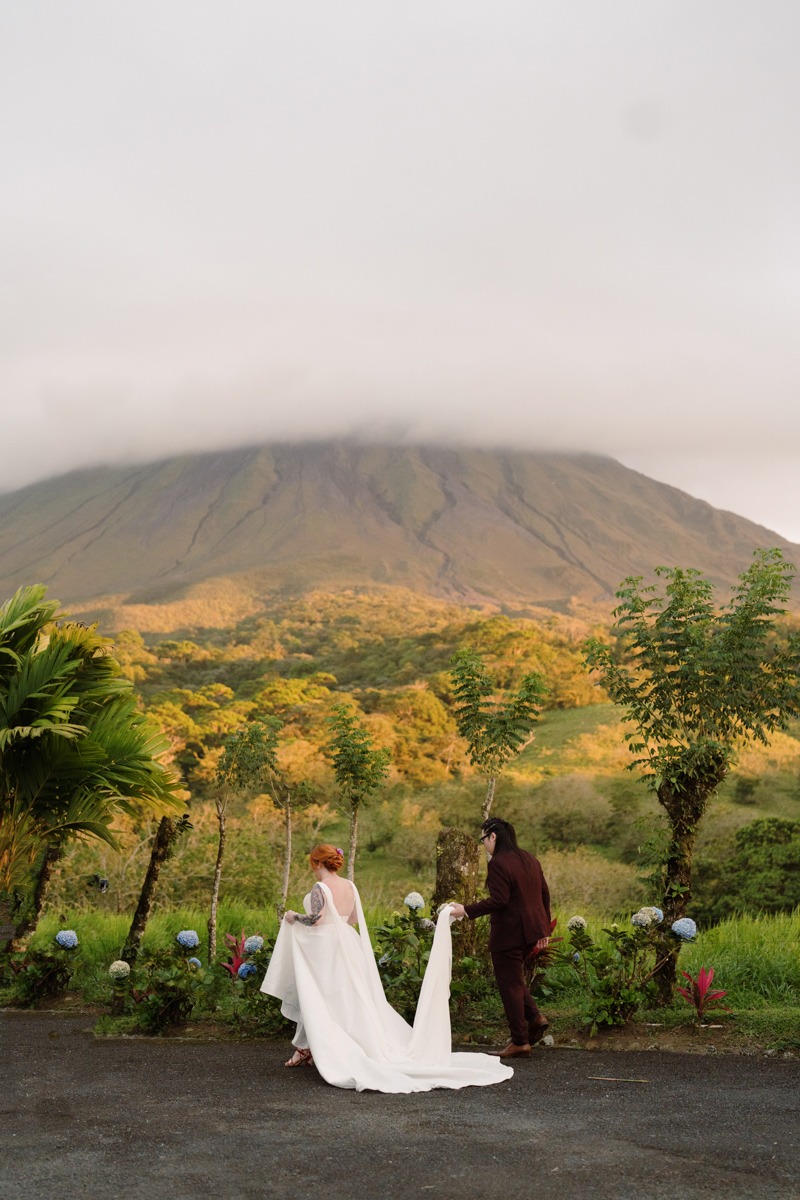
<point x="516" y="529"/>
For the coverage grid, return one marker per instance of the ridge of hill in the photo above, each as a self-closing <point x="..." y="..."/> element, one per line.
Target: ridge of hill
<point x="518" y="530"/>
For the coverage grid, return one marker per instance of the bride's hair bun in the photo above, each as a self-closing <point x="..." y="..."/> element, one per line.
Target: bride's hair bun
<point x="327" y="856"/>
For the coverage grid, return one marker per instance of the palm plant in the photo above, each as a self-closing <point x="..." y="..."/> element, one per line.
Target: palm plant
<point x="74" y="748"/>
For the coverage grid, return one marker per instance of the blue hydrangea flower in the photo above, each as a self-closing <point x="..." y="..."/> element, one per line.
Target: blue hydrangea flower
<point x="685" y="928"/>
<point x="67" y="939"/>
<point x="246" y="970"/>
<point x="194" y="962"/>
<point x="576" y="958"/>
<point x="253" y="944"/>
<point x="384" y="960"/>
<point x="188" y="939"/>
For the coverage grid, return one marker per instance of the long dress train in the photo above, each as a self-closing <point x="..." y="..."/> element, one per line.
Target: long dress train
<point x="326" y="978"/>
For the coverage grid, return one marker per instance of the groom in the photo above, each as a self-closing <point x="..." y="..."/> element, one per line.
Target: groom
<point x="519" y="907"/>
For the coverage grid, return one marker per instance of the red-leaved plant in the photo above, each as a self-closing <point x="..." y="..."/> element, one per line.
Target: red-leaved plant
<point x="237" y="952"/>
<point x="700" y="995"/>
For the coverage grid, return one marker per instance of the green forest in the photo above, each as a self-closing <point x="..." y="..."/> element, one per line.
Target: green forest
<point x="388" y="653"/>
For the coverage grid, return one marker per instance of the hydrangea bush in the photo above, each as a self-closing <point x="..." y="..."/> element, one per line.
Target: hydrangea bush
<point x="402" y="947"/>
<point x="618" y="972"/>
<point x="256" y="1012"/>
<point x="173" y="985"/>
<point x="45" y="973"/>
<point x="120" y="978"/>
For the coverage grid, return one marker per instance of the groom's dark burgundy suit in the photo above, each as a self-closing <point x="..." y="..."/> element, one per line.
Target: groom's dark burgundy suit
<point x="519" y="910"/>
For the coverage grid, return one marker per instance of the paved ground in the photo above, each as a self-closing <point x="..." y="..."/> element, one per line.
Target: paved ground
<point x="153" y="1118"/>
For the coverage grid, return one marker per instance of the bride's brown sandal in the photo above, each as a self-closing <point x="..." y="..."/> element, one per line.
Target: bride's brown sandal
<point x="300" y="1058"/>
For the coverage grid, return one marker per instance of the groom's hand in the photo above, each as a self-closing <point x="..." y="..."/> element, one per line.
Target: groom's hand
<point x="457" y="911"/>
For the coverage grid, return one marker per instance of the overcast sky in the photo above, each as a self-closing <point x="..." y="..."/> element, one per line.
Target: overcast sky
<point x="546" y="225"/>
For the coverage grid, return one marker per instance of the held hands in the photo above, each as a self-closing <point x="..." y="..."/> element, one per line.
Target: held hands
<point x="290" y="916"/>
<point x="457" y="911"/>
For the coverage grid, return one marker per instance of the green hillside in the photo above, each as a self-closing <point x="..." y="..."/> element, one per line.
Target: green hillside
<point x="388" y="653"/>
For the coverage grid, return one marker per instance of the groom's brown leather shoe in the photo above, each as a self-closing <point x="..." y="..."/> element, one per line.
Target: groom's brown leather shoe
<point x="537" y="1028"/>
<point x="512" y="1051"/>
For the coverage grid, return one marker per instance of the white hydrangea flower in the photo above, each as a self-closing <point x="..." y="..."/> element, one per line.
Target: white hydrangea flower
<point x="119" y="969"/>
<point x="655" y="914"/>
<point x="576" y="923"/>
<point x="641" y="919"/>
<point x="414" y="901"/>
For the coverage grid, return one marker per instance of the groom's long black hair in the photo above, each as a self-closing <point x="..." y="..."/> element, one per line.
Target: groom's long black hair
<point x="505" y="834"/>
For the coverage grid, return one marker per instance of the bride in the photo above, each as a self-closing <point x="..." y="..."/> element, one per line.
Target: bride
<point x="325" y="975"/>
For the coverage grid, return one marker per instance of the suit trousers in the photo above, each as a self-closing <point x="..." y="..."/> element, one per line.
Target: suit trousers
<point x="518" y="1003"/>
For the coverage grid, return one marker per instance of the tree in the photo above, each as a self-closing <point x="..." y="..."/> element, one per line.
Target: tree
<point x="495" y="730"/>
<point x="250" y="754"/>
<point x="359" y="769"/>
<point x="250" y="761"/>
<point x="695" y="683"/>
<point x="759" y="874"/>
<point x="74" y="747"/>
<point x="166" y="836"/>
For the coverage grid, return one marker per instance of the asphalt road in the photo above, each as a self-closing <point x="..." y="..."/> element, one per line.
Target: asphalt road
<point x="155" y="1118"/>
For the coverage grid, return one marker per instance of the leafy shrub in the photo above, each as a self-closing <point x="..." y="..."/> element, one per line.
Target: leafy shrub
<point x="402" y="946"/>
<point x="39" y="974"/>
<point x="174" y="983"/>
<point x="618" y="973"/>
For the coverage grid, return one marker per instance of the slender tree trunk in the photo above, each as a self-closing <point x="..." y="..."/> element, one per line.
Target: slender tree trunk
<point x="212" y="917"/>
<point x="450" y="750"/>
<point x="50" y="858"/>
<point x="487" y="804"/>
<point x="162" y="844"/>
<point x="351" y="854"/>
<point x="684" y="809"/>
<point x="287" y="864"/>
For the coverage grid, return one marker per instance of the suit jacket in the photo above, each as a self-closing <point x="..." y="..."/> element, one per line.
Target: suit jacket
<point x="518" y="903"/>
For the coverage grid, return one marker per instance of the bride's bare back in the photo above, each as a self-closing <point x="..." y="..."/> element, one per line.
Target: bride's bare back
<point x="343" y="894"/>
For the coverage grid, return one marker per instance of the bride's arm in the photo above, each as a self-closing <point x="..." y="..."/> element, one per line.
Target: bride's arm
<point x="317" y="905"/>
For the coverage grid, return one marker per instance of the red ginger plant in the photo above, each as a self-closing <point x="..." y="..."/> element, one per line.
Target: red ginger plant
<point x="700" y="995"/>
<point x="237" y="952"/>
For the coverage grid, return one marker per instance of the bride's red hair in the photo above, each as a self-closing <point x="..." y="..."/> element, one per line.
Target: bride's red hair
<point x="326" y="856"/>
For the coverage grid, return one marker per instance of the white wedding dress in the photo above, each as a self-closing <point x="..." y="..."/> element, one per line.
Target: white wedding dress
<point x="327" y="980"/>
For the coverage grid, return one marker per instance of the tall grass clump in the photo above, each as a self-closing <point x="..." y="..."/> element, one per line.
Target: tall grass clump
<point x="755" y="958"/>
